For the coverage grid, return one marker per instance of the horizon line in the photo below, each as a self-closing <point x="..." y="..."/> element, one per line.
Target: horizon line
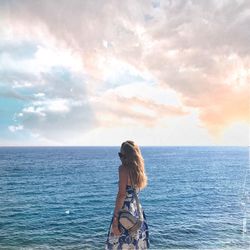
<point x="33" y="146"/>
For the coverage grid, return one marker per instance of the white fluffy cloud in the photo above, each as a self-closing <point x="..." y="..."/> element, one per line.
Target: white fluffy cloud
<point x="15" y="128"/>
<point x="52" y="90"/>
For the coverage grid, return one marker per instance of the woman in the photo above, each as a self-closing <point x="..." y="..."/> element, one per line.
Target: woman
<point x="132" y="166"/>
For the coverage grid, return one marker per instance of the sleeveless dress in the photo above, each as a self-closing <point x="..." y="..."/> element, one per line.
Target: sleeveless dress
<point x="125" y="241"/>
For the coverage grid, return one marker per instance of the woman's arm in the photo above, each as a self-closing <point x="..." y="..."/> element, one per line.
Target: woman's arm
<point x="122" y="189"/>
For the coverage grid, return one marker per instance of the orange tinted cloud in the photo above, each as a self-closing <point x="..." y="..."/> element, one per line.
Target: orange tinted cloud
<point x="222" y="106"/>
<point x="115" y="110"/>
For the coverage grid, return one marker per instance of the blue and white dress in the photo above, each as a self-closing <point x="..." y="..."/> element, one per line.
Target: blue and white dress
<point x="125" y="241"/>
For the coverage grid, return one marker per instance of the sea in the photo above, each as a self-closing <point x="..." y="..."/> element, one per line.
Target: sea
<point x="64" y="197"/>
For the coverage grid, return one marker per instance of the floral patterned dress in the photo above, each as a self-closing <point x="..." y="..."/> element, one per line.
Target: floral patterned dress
<point x="125" y="241"/>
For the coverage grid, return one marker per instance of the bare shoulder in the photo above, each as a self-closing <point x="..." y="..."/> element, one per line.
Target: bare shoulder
<point x="122" y="168"/>
<point x="124" y="174"/>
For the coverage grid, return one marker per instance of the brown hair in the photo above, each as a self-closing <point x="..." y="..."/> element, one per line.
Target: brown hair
<point x="134" y="162"/>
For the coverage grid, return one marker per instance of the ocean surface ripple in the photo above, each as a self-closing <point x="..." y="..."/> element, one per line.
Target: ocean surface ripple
<point x="64" y="197"/>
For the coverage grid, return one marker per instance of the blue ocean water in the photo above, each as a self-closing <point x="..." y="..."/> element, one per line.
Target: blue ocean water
<point x="64" y="197"/>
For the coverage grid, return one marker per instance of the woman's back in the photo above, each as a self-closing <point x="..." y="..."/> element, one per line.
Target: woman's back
<point x="130" y="172"/>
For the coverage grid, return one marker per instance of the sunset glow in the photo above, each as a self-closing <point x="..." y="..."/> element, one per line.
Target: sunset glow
<point x="100" y="72"/>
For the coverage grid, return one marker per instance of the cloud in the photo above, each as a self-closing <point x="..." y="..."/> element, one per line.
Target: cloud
<point x="223" y="107"/>
<point x="59" y="107"/>
<point x="54" y="98"/>
<point x="13" y="129"/>
<point x="115" y="110"/>
<point x="201" y="49"/>
<point x="23" y="49"/>
<point x="197" y="49"/>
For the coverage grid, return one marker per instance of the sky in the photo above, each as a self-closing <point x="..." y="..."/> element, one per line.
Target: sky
<point x="95" y="72"/>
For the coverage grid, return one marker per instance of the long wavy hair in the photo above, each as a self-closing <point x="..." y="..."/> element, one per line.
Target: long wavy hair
<point x="134" y="162"/>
